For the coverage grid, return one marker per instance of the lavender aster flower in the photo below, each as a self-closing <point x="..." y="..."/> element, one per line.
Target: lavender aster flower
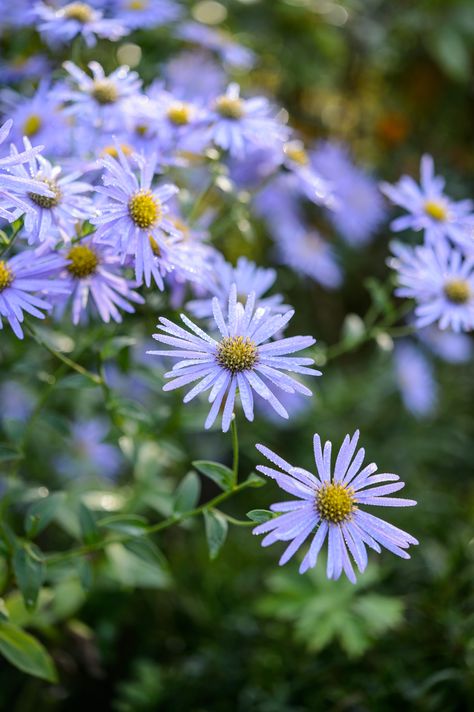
<point x="248" y="278"/>
<point x="329" y="501"/>
<point x="88" y="454"/>
<point x="145" y="14"/>
<point x="415" y="379"/>
<point x="92" y="271"/>
<point x="428" y="207"/>
<point x="21" y="279"/>
<point x="11" y="204"/>
<point x="358" y="208"/>
<point x="441" y="280"/>
<point x="60" y="211"/>
<point x="134" y="216"/>
<point x="234" y="54"/>
<point x="238" y="125"/>
<point x="451" y="347"/>
<point x="74" y="19"/>
<point x="242" y="359"/>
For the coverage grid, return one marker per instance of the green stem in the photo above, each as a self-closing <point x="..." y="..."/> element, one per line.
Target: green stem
<point x="60" y="557"/>
<point x="235" y="450"/>
<point x="15" y="233"/>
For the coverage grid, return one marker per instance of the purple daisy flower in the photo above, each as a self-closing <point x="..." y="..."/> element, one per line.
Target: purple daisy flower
<point x="21" y="278"/>
<point x="98" y="100"/>
<point x="241" y="359"/>
<point x="451" y="347"/>
<point x="74" y="19"/>
<point x="239" y="125"/>
<point x="194" y="76"/>
<point x="92" y="270"/>
<point x="88" y="454"/>
<point x="428" y="206"/>
<point x="146" y="14"/>
<point x="414" y="375"/>
<point x="12" y="206"/>
<point x="247" y="277"/>
<point x="62" y="210"/>
<point x="441" y="281"/>
<point x="330" y="501"/>
<point x="358" y="207"/>
<point x="133" y="217"/>
<point x="234" y="54"/>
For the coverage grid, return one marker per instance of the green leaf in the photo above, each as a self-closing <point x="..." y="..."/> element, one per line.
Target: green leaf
<point x="89" y="530"/>
<point x="132" y="524"/>
<point x="129" y="569"/>
<point x="216" y="531"/>
<point x="41" y="512"/>
<point x="8" y="453"/>
<point x="187" y="493"/>
<point x="25" y="652"/>
<point x="220" y="474"/>
<point x="260" y="515"/>
<point x="148" y="551"/>
<point x="29" y="573"/>
<point x="115" y="345"/>
<point x="254" y="480"/>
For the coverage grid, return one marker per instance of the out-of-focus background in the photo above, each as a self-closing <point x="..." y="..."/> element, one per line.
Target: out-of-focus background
<point x="392" y="80"/>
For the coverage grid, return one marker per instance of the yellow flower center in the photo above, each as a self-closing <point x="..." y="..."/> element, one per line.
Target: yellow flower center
<point x="144" y="209"/>
<point x="32" y="125"/>
<point x="457" y="291"/>
<point x="335" y="502"/>
<point x="112" y="150"/>
<point x="79" y="11"/>
<point x="237" y="354"/>
<point x="141" y="129"/>
<point x="295" y="152"/>
<point x="84" y="261"/>
<point x="230" y="107"/>
<point x="6" y="276"/>
<point x="137" y="5"/>
<point x="436" y="210"/>
<point x="43" y="200"/>
<point x="104" y="91"/>
<point x="179" y="113"/>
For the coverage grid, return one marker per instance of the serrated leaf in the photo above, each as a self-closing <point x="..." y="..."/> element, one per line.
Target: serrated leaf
<point x="29" y="573"/>
<point x="25" y="652"/>
<point x="220" y="474"/>
<point x="41" y="513"/>
<point x="89" y="530"/>
<point x="260" y="515"/>
<point x="131" y="524"/>
<point x="187" y="493"/>
<point x="216" y="531"/>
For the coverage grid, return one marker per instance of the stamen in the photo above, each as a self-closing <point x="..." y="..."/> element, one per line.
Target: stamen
<point x="79" y="11"/>
<point x="144" y="209"/>
<point x="104" y="91"/>
<point x="335" y="502"/>
<point x="230" y="107"/>
<point x="179" y="114"/>
<point x="436" y="210"/>
<point x="6" y="276"/>
<point x="457" y="291"/>
<point x="155" y="248"/>
<point x="112" y="150"/>
<point x="237" y="354"/>
<point x="32" y="125"/>
<point x="84" y="261"/>
<point x="43" y="200"/>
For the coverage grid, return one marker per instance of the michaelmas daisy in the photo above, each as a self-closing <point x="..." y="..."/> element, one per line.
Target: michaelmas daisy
<point x="328" y="507"/>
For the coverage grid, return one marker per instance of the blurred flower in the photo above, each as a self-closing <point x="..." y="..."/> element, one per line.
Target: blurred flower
<point x="194" y="76"/>
<point x="146" y="14"/>
<point x="239" y="360"/>
<point x="247" y="277"/>
<point x="21" y="278"/>
<point x="414" y="375"/>
<point x="67" y="204"/>
<point x="330" y="501"/>
<point x="22" y="68"/>
<point x="217" y="41"/>
<point x="429" y="208"/>
<point x="17" y="402"/>
<point x="133" y="216"/>
<point x="75" y="19"/>
<point x="358" y="208"/>
<point x="92" y="270"/>
<point x="87" y="454"/>
<point x="239" y="125"/>
<point x="441" y="281"/>
<point x="454" y="348"/>
<point x="12" y="206"/>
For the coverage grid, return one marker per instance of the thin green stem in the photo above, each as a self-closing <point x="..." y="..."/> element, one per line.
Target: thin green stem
<point x="87" y="549"/>
<point x="235" y="450"/>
